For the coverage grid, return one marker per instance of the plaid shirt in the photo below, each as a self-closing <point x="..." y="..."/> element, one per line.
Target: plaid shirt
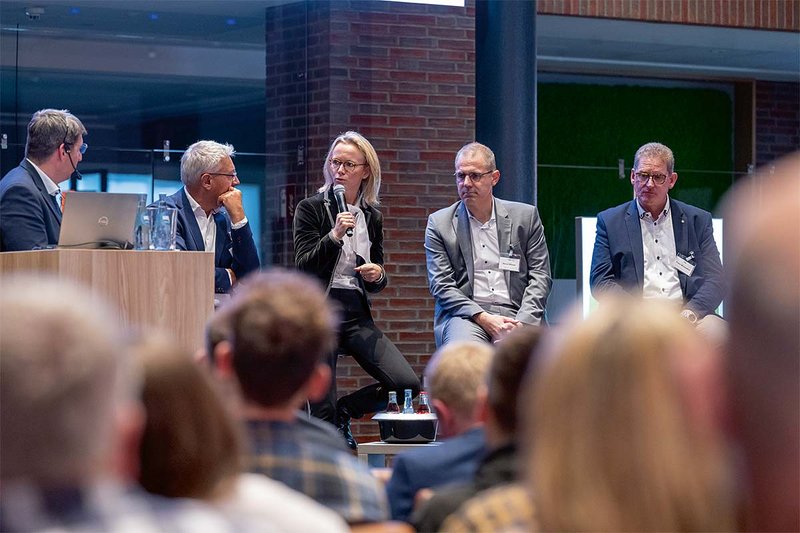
<point x="333" y="477"/>
<point x="502" y="508"/>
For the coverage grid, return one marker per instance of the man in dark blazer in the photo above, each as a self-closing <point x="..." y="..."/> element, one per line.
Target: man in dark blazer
<point x="456" y="377"/>
<point x="488" y="265"/>
<point x="30" y="206"/>
<point x="658" y="247"/>
<point x="211" y="215"/>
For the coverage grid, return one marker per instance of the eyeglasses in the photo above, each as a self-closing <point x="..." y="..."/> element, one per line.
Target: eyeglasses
<point x="83" y="147"/>
<point x="474" y="177"/>
<point x="349" y="166"/>
<point x="231" y="175"/>
<point x="644" y="177"/>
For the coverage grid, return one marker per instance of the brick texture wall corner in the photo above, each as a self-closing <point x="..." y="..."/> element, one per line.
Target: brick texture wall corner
<point x="777" y="120"/>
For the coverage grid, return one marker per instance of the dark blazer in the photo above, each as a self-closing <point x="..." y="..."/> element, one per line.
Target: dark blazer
<point x="454" y="460"/>
<point x="235" y="249"/>
<point x="316" y="252"/>
<point x="618" y="256"/>
<point x="448" y="250"/>
<point x="29" y="217"/>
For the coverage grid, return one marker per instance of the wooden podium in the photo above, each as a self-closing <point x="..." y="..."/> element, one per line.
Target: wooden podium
<point x="153" y="290"/>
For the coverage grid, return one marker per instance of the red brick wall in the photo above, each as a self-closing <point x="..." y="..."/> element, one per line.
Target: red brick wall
<point x="403" y="75"/>
<point x="777" y="120"/>
<point x="761" y="14"/>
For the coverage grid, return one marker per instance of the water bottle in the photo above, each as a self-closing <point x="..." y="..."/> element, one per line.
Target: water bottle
<point x="424" y="407"/>
<point x="392" y="406"/>
<point x="141" y="236"/>
<point x="163" y="224"/>
<point x="408" y="405"/>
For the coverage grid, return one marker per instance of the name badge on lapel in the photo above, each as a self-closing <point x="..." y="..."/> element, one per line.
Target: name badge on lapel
<point x="685" y="264"/>
<point x="510" y="261"/>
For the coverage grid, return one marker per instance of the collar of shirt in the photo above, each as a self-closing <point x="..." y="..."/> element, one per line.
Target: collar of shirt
<point x="646" y="214"/>
<point x="196" y="209"/>
<point x="206" y="223"/>
<point x="51" y="186"/>
<point x="474" y="220"/>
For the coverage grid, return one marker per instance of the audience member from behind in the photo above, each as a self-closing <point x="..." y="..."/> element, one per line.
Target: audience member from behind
<point x="499" y="467"/>
<point x="191" y="448"/>
<point x="456" y="379"/>
<point x="281" y="330"/>
<point x="70" y="419"/>
<point x="218" y="334"/>
<point x="30" y="206"/>
<point x="763" y="364"/>
<point x="626" y="425"/>
<point x="211" y="214"/>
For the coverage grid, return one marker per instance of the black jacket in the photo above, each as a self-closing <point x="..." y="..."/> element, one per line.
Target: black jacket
<point x="316" y="253"/>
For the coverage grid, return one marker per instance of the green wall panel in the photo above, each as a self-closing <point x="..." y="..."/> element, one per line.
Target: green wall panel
<point x="581" y="125"/>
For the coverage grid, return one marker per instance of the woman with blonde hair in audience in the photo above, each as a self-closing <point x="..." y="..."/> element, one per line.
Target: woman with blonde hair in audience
<point x="191" y="447"/>
<point x="625" y="425"/>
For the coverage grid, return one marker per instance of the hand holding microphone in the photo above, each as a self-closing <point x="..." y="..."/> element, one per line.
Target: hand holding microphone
<point x="344" y="218"/>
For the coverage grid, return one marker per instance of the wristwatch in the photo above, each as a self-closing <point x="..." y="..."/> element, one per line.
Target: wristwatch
<point x="689" y="315"/>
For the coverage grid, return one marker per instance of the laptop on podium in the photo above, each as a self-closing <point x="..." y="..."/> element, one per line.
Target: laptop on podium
<point x="98" y="220"/>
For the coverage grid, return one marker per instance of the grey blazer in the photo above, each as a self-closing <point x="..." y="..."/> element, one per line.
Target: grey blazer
<point x="448" y="249"/>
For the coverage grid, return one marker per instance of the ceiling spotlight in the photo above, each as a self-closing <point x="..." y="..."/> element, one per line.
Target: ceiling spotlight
<point x="34" y="13"/>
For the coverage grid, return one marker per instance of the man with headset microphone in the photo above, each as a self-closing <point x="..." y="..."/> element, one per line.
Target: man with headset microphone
<point x="30" y="197"/>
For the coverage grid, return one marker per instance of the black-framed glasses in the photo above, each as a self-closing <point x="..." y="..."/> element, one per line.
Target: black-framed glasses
<point x="83" y="147"/>
<point x="349" y="166"/>
<point x="474" y="177"/>
<point x="644" y="177"/>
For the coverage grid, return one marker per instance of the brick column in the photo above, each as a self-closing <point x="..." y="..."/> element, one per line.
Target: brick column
<point x="404" y="76"/>
<point x="777" y="120"/>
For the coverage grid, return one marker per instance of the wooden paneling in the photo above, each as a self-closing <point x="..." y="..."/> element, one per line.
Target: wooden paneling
<point x="152" y="290"/>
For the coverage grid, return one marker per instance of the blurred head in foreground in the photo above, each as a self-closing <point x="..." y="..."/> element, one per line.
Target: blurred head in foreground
<point x="763" y="363"/>
<point x="191" y="444"/>
<point x="625" y="425"/>
<point x="69" y="410"/>
<point x="281" y="326"/>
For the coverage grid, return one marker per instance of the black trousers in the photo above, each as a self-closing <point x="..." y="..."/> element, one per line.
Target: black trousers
<point x="375" y="353"/>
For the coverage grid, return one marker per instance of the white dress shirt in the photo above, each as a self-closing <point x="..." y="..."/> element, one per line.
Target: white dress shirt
<point x="52" y="188"/>
<point x="489" y="282"/>
<point x="208" y="227"/>
<point x="658" y="243"/>
<point x="344" y="276"/>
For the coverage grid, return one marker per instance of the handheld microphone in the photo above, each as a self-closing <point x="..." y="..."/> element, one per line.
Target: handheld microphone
<point x="341" y="203"/>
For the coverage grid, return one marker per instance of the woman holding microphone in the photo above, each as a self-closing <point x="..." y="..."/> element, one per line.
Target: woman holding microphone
<point x="338" y="237"/>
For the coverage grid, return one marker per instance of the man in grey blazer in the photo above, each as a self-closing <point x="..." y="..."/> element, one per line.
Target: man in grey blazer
<point x="488" y="265"/>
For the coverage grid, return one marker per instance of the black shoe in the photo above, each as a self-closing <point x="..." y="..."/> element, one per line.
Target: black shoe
<point x="343" y="425"/>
